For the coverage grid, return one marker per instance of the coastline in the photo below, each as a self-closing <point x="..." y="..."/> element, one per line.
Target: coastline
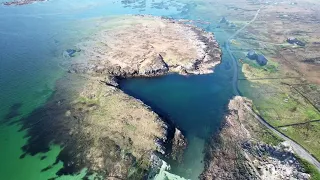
<point x="244" y="148"/>
<point x="146" y="46"/>
<point x="98" y="124"/>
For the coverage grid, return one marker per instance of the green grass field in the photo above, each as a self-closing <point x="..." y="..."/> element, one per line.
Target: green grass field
<point x="280" y="102"/>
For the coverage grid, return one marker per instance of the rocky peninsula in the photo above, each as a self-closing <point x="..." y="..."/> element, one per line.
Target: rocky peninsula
<point x="245" y="149"/>
<point x="102" y="128"/>
<point x="147" y="46"/>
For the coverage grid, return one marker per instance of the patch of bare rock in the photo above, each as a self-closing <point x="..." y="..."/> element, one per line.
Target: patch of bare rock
<point x="238" y="151"/>
<point x="179" y="144"/>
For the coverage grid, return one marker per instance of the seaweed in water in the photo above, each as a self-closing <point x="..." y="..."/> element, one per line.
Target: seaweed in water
<point x="13" y="112"/>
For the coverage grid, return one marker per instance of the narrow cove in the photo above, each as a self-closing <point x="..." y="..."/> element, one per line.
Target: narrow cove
<point x="195" y="104"/>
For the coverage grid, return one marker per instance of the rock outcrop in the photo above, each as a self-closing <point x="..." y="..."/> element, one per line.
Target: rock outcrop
<point x="147" y="46"/>
<point x="238" y="151"/>
<point x="179" y="144"/>
<point x="154" y="66"/>
<point x="274" y="162"/>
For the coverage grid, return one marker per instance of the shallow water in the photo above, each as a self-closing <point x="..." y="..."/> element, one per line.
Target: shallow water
<point x="32" y="39"/>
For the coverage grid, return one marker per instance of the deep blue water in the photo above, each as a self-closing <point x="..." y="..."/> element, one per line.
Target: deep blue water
<point x="195" y="104"/>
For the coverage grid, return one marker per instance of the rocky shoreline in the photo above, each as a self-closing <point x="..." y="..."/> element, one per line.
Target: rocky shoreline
<point x="99" y="126"/>
<point x="244" y="149"/>
<point x="146" y="46"/>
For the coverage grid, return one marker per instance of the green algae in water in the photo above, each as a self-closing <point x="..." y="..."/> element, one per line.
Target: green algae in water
<point x="28" y="71"/>
<point x="28" y="167"/>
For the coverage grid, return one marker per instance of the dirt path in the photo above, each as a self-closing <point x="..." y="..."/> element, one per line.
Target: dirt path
<point x="296" y="147"/>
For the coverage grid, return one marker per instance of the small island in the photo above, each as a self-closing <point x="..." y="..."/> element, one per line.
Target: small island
<point x="147" y="46"/>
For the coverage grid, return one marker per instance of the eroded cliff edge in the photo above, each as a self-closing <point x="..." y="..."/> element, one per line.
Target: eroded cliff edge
<point x="99" y="126"/>
<point x="245" y="149"/>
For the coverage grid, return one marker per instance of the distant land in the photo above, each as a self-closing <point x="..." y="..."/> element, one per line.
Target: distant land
<point x="21" y="2"/>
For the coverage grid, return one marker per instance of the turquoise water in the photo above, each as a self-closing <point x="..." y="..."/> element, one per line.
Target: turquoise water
<point x="32" y="39"/>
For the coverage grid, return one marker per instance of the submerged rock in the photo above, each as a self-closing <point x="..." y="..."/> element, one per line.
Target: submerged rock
<point x="179" y="144"/>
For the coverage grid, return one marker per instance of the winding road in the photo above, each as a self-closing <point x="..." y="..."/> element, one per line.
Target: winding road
<point x="302" y="152"/>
